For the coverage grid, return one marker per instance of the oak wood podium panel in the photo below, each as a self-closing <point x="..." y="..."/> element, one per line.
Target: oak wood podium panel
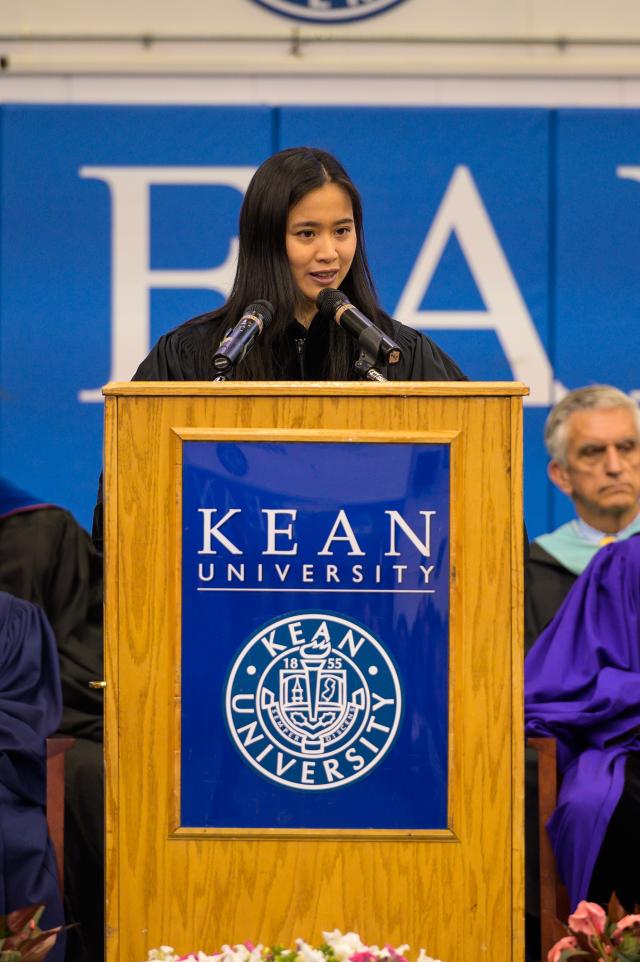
<point x="454" y="886"/>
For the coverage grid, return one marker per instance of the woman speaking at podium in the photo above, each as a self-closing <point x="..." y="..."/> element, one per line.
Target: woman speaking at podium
<point x="300" y="233"/>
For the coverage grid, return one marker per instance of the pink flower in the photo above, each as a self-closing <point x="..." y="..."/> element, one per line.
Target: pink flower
<point x="588" y="918"/>
<point x="568" y="942"/>
<point x="363" y="957"/>
<point x="394" y="954"/>
<point x="625" y="923"/>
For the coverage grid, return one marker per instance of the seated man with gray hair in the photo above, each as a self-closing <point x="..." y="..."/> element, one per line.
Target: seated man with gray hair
<point x="593" y="438"/>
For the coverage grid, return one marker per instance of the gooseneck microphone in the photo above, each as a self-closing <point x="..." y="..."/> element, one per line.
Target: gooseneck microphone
<point x="236" y="344"/>
<point x="373" y="341"/>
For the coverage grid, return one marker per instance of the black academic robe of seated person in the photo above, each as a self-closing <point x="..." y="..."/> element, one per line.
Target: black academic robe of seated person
<point x="300" y="354"/>
<point x="547" y="584"/>
<point x="47" y="558"/>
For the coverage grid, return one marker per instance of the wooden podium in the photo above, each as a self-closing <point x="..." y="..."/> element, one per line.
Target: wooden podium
<point x="456" y="890"/>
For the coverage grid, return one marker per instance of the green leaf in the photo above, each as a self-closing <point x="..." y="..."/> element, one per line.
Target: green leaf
<point x="627" y="955"/>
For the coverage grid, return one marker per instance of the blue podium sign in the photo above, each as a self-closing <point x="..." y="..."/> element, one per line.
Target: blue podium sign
<point x="315" y="635"/>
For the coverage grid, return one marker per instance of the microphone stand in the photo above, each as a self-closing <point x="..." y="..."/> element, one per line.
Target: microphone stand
<point x="372" y="374"/>
<point x="370" y="341"/>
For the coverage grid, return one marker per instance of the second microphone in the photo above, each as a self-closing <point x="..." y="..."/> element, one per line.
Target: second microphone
<point x="336" y="305"/>
<point x="235" y="345"/>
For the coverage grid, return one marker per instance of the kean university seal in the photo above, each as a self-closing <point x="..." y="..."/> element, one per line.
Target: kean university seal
<point x="313" y="701"/>
<point x="328" y="11"/>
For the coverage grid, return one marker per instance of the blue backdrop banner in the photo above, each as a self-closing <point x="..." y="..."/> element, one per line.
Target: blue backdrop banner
<point x="509" y="235"/>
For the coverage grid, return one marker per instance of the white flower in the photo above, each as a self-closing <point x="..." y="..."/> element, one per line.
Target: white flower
<point x="423" y="957"/>
<point x="239" y="953"/>
<point x="388" y="952"/>
<point x="344" y="945"/>
<point x="306" y="952"/>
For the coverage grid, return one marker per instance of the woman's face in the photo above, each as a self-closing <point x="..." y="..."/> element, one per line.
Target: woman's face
<point x="321" y="244"/>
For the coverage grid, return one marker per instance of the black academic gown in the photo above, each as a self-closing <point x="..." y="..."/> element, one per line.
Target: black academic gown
<point x="300" y="354"/>
<point x="47" y="558"/>
<point x="185" y="354"/>
<point x="547" y="584"/>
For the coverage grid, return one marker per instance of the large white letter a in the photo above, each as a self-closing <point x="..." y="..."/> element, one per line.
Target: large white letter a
<point x="463" y="212"/>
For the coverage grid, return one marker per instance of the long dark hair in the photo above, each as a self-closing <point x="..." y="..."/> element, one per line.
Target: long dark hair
<point x="263" y="267"/>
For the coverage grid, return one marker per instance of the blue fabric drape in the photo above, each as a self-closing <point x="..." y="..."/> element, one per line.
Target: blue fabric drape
<point x="30" y="710"/>
<point x="582" y="686"/>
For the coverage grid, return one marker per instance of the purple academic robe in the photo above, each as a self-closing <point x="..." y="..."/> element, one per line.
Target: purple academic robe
<point x="30" y="709"/>
<point x="582" y="686"/>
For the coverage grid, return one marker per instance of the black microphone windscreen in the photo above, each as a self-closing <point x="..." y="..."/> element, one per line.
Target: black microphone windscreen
<point x="264" y="309"/>
<point x="329" y="300"/>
